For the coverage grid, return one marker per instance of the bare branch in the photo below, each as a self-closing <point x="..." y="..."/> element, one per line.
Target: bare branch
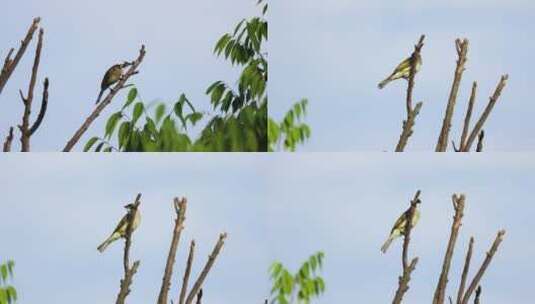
<point x="11" y="64"/>
<point x="479" y="147"/>
<point x="211" y="260"/>
<point x="404" y="282"/>
<point x="199" y="296"/>
<point x="481" y="271"/>
<point x="42" y="111"/>
<point x="411" y="113"/>
<point x="187" y="273"/>
<point x="180" y="209"/>
<point x="129" y="272"/>
<point x="478" y="294"/>
<point x="9" y="139"/>
<point x="469" y="110"/>
<point x="492" y="101"/>
<point x="466" y="268"/>
<point x="462" y="50"/>
<point x="25" y="127"/>
<point x="458" y="205"/>
<point x="107" y="100"/>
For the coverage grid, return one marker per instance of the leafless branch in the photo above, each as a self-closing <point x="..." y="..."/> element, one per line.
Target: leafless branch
<point x="28" y="100"/>
<point x="405" y="278"/>
<point x="411" y="112"/>
<point x="466" y="268"/>
<point x="211" y="260"/>
<point x="479" y="147"/>
<point x="129" y="271"/>
<point x="187" y="273"/>
<point x="458" y="206"/>
<point x="107" y="100"/>
<point x="11" y="64"/>
<point x="483" y="268"/>
<point x="492" y="101"/>
<point x="462" y="50"/>
<point x="467" y="117"/>
<point x="180" y="209"/>
<point x="199" y="296"/>
<point x="9" y="139"/>
<point x="478" y="294"/>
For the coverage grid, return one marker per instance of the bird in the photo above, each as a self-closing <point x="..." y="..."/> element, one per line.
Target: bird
<point x="399" y="228"/>
<point x="120" y="230"/>
<point x="402" y="71"/>
<point x="112" y="75"/>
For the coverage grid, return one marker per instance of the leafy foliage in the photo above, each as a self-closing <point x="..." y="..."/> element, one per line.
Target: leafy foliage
<point x="291" y="131"/>
<point x="8" y="294"/>
<point x="240" y="121"/>
<point x="302" y="286"/>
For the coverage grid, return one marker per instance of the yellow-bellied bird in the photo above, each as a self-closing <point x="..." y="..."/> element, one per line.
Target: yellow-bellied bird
<point x="120" y="230"/>
<point x="399" y="228"/>
<point x="112" y="75"/>
<point x="403" y="70"/>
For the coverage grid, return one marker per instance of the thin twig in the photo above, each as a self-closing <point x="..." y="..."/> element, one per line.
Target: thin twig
<point x="28" y="100"/>
<point x="469" y="110"/>
<point x="466" y="268"/>
<point x="404" y="282"/>
<point x="492" y="101"/>
<point x="481" y="136"/>
<point x="211" y="260"/>
<point x="180" y="209"/>
<point x="129" y="272"/>
<point x="481" y="271"/>
<point x="458" y="206"/>
<point x="107" y="100"/>
<point x="411" y="113"/>
<point x="42" y="111"/>
<point x="11" y="64"/>
<point x="462" y="50"/>
<point x="478" y="294"/>
<point x="187" y="273"/>
<point x="199" y="296"/>
<point x="9" y="139"/>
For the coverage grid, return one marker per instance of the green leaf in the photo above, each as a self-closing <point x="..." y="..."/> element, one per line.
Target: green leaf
<point x="90" y="143"/>
<point x="132" y="94"/>
<point x="160" y="111"/>
<point x="138" y="110"/>
<point x="112" y="122"/>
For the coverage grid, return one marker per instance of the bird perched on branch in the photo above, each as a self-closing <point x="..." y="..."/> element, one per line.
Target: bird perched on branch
<point x="112" y="75"/>
<point x="120" y="230"/>
<point x="403" y="70"/>
<point x="399" y="227"/>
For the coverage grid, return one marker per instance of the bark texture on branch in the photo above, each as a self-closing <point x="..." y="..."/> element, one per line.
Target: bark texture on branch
<point x="106" y="101"/>
<point x="9" y="139"/>
<point x="180" y="209"/>
<point x="187" y="272"/>
<point x="466" y="268"/>
<point x="462" y="50"/>
<point x="10" y="64"/>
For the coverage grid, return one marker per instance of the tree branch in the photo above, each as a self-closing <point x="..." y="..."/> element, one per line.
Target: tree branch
<point x="479" y="147"/>
<point x="469" y="110"/>
<point x="42" y="111"/>
<point x="466" y="268"/>
<point x="492" y="101"/>
<point x="211" y="260"/>
<point x="458" y="206"/>
<point x="180" y="209"/>
<point x="187" y="273"/>
<point x="107" y="100"/>
<point x="405" y="278"/>
<point x="11" y="64"/>
<point x="411" y="113"/>
<point x="27" y="101"/>
<point x="481" y="271"/>
<point x="462" y="50"/>
<point x="9" y="139"/>
<point x="129" y="272"/>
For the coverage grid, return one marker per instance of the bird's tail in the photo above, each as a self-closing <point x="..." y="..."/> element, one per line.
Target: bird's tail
<point x="387" y="243"/>
<point x="106" y="243"/>
<point x="384" y="82"/>
<point x="99" y="96"/>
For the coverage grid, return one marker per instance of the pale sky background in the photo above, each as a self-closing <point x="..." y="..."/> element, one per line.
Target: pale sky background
<point x="335" y="52"/>
<point x="84" y="38"/>
<point x="282" y="207"/>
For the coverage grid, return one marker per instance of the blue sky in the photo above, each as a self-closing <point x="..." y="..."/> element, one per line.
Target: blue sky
<point x="335" y="52"/>
<point x="83" y="39"/>
<point x="282" y="207"/>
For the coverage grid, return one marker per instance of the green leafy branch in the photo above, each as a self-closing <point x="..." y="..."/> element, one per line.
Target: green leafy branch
<point x="291" y="131"/>
<point x="8" y="294"/>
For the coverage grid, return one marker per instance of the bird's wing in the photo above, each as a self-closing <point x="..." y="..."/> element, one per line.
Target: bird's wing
<point x="121" y="227"/>
<point x="400" y="223"/>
